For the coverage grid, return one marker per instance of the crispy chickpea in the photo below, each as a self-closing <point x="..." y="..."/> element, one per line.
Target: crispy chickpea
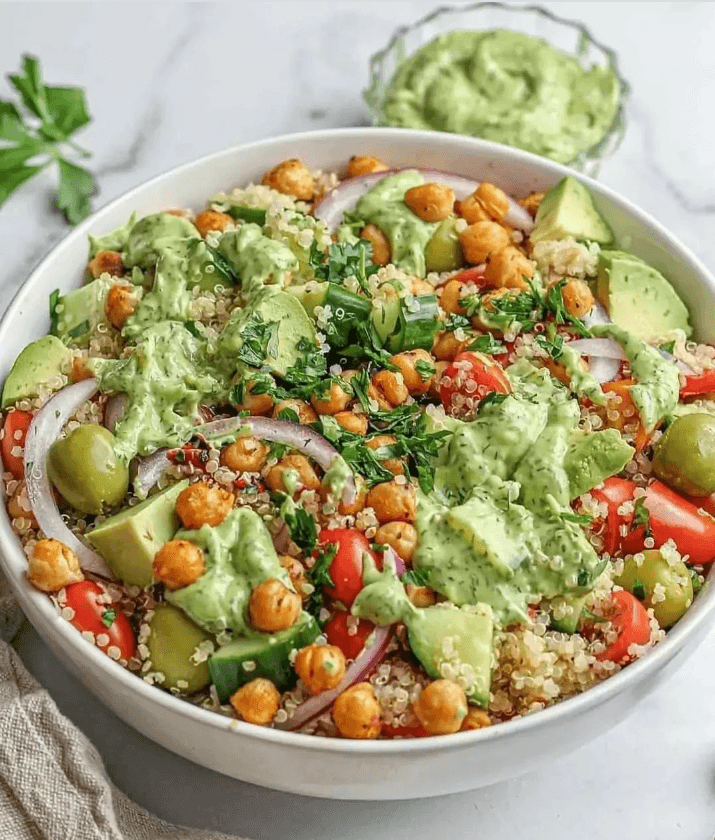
<point x="417" y="369"/>
<point x="320" y="667"/>
<point x="292" y="177"/>
<point x="80" y="370"/>
<point x="302" y="409"/>
<point x="257" y="404"/>
<point x="212" y="220"/>
<point x="257" y="701"/>
<point x="531" y="202"/>
<point x="508" y="268"/>
<point x="364" y="165"/>
<point x="356" y="712"/>
<point x="388" y="388"/>
<point x="421" y="287"/>
<point x="482" y="239"/>
<point x="450" y="299"/>
<point x="337" y="399"/>
<point x="400" y="536"/>
<point x="446" y="346"/>
<point x="295" y="570"/>
<point x="179" y="563"/>
<point x="53" y="565"/>
<point x="420" y="596"/>
<point x="120" y="305"/>
<point x="392" y="501"/>
<point x="471" y="209"/>
<point x="106" y="262"/>
<point x="357" y="504"/>
<point x="245" y="454"/>
<point x="19" y="507"/>
<point x="476" y="719"/>
<point x="431" y="202"/>
<point x="307" y="478"/>
<point x="440" y="368"/>
<point x="201" y="504"/>
<point x="441" y="707"/>
<point x="381" y="251"/>
<point x="394" y="465"/>
<point x="273" y="607"/>
<point x="578" y="298"/>
<point x="351" y="422"/>
<point x="486" y="202"/>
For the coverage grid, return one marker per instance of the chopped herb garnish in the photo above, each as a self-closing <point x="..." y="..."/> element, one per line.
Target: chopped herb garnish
<point x="319" y="576"/>
<point x="193" y="328"/>
<point x="417" y="577"/>
<point x="54" y="300"/>
<point x="222" y="266"/>
<point x="456" y="322"/>
<point x="639" y="590"/>
<point x="344" y="260"/>
<point x="494" y="398"/>
<point x="260" y="341"/>
<point x="108" y="617"/>
<point x="553" y="345"/>
<point x="583" y="578"/>
<point x="578" y="518"/>
<point x="641" y="516"/>
<point x="669" y="346"/>
<point x="425" y="369"/>
<point x="80" y="329"/>
<point x="289" y="414"/>
<point x="302" y="529"/>
<point x="487" y="344"/>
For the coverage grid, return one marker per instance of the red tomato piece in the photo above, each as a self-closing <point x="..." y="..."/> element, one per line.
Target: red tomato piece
<point x="627" y="412"/>
<point x="188" y="454"/>
<point x="631" y="621"/>
<point x="412" y="730"/>
<point x="99" y="618"/>
<point x="14" y="432"/>
<point x="706" y="503"/>
<point x="472" y="375"/>
<point x="337" y="631"/>
<point x="471" y="275"/>
<point x="614" y="492"/>
<point x="346" y="567"/>
<point x="702" y="383"/>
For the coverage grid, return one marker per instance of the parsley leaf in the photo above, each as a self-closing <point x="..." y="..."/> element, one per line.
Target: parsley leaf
<point x="302" y="529"/>
<point x="192" y="327"/>
<point x="425" y="369"/>
<point x="259" y="342"/>
<point x="319" y="576"/>
<point x="457" y="322"/>
<point x="417" y="577"/>
<point x="578" y="518"/>
<point x="487" y="344"/>
<point x="554" y="303"/>
<point x="553" y="345"/>
<point x="641" y="516"/>
<point x="583" y="578"/>
<point x="343" y="260"/>
<point x="108" y="617"/>
<point x="639" y="590"/>
<point x="494" y="398"/>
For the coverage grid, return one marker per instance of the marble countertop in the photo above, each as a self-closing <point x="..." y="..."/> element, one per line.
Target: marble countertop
<point x="169" y="82"/>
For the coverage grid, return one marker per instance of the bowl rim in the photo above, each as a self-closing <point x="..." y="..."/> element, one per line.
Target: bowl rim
<point x="111" y="671"/>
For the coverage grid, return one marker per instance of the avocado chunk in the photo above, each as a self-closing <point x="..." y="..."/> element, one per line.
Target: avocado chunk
<point x="592" y="457"/>
<point x="172" y="644"/>
<point x="263" y="655"/>
<point x="456" y="644"/>
<point x="310" y="294"/>
<point x="568" y="211"/>
<point x="568" y="608"/>
<point x="638" y="297"/>
<point x="129" y="540"/>
<point x="75" y="314"/>
<point x="39" y="362"/>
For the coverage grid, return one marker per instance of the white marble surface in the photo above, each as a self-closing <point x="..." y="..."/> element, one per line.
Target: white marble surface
<point x="167" y="83"/>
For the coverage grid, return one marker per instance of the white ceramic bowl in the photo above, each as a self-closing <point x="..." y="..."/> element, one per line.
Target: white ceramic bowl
<point x="299" y="763"/>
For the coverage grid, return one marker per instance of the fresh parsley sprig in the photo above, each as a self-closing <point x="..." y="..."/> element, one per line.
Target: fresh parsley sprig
<point x="36" y="133"/>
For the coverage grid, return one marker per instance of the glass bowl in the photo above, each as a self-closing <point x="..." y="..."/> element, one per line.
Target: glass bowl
<point x="566" y="35"/>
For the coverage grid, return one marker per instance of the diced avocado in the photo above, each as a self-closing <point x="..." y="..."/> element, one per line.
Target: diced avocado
<point x="593" y="457"/>
<point x="264" y="655"/>
<point x="172" y="643"/>
<point x="567" y="210"/>
<point x="568" y="609"/>
<point x="39" y="362"/>
<point x="443" y="251"/>
<point x="129" y="540"/>
<point x="310" y="295"/>
<point x="451" y="642"/>
<point x="638" y="297"/>
<point x="75" y="314"/>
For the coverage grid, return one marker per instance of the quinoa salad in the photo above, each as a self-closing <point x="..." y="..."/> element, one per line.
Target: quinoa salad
<point x="376" y="453"/>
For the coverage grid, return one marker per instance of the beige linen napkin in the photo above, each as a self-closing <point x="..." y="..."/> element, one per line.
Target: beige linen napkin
<point x="52" y="782"/>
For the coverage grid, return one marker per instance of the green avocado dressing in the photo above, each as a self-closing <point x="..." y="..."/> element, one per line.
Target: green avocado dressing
<point x="508" y="87"/>
<point x="257" y="258"/>
<point x="582" y="383"/>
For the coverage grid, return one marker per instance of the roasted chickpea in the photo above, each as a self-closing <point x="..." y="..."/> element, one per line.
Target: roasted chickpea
<point x="431" y="202"/>
<point x="351" y="422"/>
<point x="106" y="262"/>
<point x="179" y="563"/>
<point x="364" y="165"/>
<point x="388" y="388"/>
<point x="508" y="268"/>
<point x="120" y="305"/>
<point x="245" y="454"/>
<point x="257" y="404"/>
<point x="392" y="501"/>
<point x="52" y="566"/>
<point x="450" y="299"/>
<point x="578" y="298"/>
<point x="292" y="177"/>
<point x="80" y="370"/>
<point x="482" y="239"/>
<point x="19" y="507"/>
<point x="476" y="719"/>
<point x="306" y="478"/>
<point x="417" y="368"/>
<point x="381" y="251"/>
<point x="381" y="442"/>
<point x="356" y="712"/>
<point x="257" y="701"/>
<point x="440" y="368"/>
<point x="296" y="571"/>
<point x="447" y="346"/>
<point x="212" y="220"/>
<point x="420" y="596"/>
<point x="357" y="504"/>
<point x="320" y="667"/>
<point x="441" y="707"/>
<point x="302" y="409"/>
<point x="201" y="504"/>
<point x="273" y="607"/>
<point x="336" y="399"/>
<point x="471" y="209"/>
<point x="531" y="202"/>
<point x="400" y="536"/>
<point x="486" y="202"/>
<point x="421" y="287"/>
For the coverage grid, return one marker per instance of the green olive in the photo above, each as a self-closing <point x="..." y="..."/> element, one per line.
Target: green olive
<point x="642" y="579"/>
<point x="173" y="641"/>
<point x="685" y="455"/>
<point x="84" y="468"/>
<point x="443" y="251"/>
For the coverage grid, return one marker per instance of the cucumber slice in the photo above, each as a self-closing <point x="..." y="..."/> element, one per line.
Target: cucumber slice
<point x="384" y="316"/>
<point x="248" y="214"/>
<point x="346" y="310"/>
<point x="572" y="606"/>
<point x="417" y="324"/>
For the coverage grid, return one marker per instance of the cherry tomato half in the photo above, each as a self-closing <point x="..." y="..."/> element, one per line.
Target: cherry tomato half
<point x="471" y="275"/>
<point x="412" y="730"/>
<point x="631" y="621"/>
<point x="99" y="618"/>
<point x="614" y="492"/>
<point x="338" y="633"/>
<point x="346" y="566"/>
<point x="14" y="432"/>
<point x="627" y="413"/>
<point x="472" y="375"/>
<point x="699" y="385"/>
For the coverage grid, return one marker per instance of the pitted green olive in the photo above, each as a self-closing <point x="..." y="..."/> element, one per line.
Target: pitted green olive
<point x="665" y="586"/>
<point x="443" y="251"/>
<point x="84" y="468"/>
<point x="685" y="455"/>
<point x="173" y="641"/>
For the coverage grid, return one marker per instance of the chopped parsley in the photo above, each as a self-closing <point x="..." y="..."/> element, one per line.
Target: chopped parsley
<point x="578" y="518"/>
<point x="494" y="398"/>
<point x="425" y="369"/>
<point x="417" y="577"/>
<point x="193" y="328"/>
<point x="302" y="529"/>
<point x="319" y="576"/>
<point x="109" y="617"/>
<point x="639" y="590"/>
<point x="487" y="344"/>
<point x="641" y="516"/>
<point x="260" y="342"/>
<point x="343" y="260"/>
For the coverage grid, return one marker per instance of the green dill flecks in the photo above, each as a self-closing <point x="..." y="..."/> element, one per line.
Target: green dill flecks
<point x="494" y="398"/>
<point x="79" y="330"/>
<point x="54" y="300"/>
<point x="697" y="581"/>
<point x="578" y="518"/>
<point x="425" y="369"/>
<point x="487" y="344"/>
<point x="109" y="617"/>
<point x="417" y="577"/>
<point x="641" y="516"/>
<point x="639" y="590"/>
<point x="344" y="260"/>
<point x="302" y="529"/>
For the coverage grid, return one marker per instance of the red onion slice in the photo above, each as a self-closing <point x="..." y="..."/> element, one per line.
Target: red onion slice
<point x="115" y="410"/>
<point x="599" y="348"/>
<point x="366" y="661"/>
<point x="43" y="432"/>
<point x="345" y="196"/>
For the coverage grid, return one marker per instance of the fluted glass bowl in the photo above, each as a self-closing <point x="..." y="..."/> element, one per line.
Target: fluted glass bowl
<point x="566" y="35"/>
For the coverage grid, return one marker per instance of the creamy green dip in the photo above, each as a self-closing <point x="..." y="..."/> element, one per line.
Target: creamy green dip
<point x="508" y="87"/>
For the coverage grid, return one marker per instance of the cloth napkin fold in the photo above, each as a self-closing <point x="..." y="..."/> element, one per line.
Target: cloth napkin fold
<point x="52" y="782"/>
